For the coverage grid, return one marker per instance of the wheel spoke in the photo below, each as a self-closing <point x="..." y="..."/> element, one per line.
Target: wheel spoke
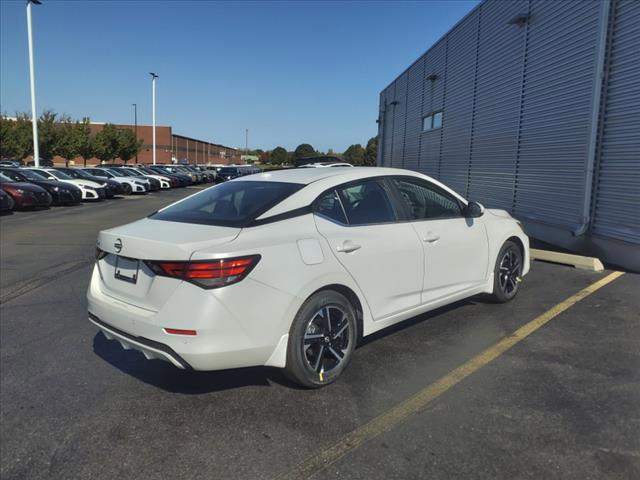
<point x="318" y="363"/>
<point x="327" y="318"/>
<point x="342" y="329"/>
<point x="339" y="356"/>
<point x="311" y="338"/>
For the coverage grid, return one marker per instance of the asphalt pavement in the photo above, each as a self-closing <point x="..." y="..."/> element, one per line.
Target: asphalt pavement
<point x="561" y="403"/>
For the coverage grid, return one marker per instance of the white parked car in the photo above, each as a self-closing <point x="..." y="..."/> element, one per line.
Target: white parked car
<point x="292" y="268"/>
<point x="90" y="190"/>
<point x="143" y="172"/>
<point x="131" y="184"/>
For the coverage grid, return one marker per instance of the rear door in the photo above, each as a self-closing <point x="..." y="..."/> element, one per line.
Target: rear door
<point x="455" y="248"/>
<point x="384" y="257"/>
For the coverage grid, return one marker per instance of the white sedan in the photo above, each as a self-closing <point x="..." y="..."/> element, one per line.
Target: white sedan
<point x="131" y="184"/>
<point x="292" y="268"/>
<point x="90" y="190"/>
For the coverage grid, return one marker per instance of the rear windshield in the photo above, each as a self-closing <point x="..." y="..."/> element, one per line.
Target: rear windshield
<point x="228" y="171"/>
<point x="231" y="204"/>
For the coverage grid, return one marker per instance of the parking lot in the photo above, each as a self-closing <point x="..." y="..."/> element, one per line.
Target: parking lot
<point x="562" y="402"/>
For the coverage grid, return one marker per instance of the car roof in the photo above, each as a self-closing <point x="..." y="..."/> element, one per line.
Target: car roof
<point x="318" y="180"/>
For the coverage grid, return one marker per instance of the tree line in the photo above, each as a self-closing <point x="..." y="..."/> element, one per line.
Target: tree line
<point x="67" y="138"/>
<point x="356" y="154"/>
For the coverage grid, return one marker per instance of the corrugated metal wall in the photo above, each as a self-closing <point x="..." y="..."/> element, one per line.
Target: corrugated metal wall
<point x="617" y="191"/>
<point x="519" y="102"/>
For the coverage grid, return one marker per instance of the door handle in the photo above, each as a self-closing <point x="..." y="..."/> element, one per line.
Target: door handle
<point x="348" y="246"/>
<point x="431" y="238"/>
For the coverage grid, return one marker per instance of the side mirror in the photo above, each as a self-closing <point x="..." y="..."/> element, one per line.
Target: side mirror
<point x="473" y="210"/>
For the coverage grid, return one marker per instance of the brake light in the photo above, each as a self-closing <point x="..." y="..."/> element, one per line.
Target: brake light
<point x="207" y="273"/>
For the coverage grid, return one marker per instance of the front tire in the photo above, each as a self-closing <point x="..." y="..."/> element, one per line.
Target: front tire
<point x="321" y="340"/>
<point x="507" y="273"/>
<point x="127" y="189"/>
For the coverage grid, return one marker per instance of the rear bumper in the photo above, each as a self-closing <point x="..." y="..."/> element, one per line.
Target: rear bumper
<point x="149" y="348"/>
<point x="232" y="333"/>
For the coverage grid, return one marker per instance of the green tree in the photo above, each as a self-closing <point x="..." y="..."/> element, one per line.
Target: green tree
<point x="68" y="146"/>
<point x="16" y="137"/>
<point x="48" y="134"/>
<point x="106" y="143"/>
<point x="304" y="150"/>
<point x="129" y="145"/>
<point x="85" y="140"/>
<point x="279" y="156"/>
<point x="7" y="138"/>
<point x="354" y="154"/>
<point x="371" y="153"/>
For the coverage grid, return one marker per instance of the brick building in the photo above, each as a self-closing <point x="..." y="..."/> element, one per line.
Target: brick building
<point x="170" y="148"/>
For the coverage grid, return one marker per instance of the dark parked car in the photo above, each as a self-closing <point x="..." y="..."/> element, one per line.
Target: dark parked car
<point x="112" y="188"/>
<point x="25" y="195"/>
<point x="6" y="202"/>
<point x="228" y="173"/>
<point x="62" y="193"/>
<point x="44" y="162"/>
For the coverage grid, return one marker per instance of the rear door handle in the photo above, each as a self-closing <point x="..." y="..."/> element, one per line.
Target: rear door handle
<point x="430" y="238"/>
<point x="348" y="246"/>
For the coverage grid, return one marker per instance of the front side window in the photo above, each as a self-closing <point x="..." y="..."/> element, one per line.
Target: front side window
<point x="424" y="201"/>
<point x="366" y="202"/>
<point x="232" y="204"/>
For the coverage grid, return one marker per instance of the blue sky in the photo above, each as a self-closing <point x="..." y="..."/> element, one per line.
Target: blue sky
<point x="290" y="72"/>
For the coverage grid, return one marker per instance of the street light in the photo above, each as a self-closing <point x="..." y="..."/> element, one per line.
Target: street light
<point x="34" y="118"/>
<point x="135" y="125"/>
<point x="153" y="110"/>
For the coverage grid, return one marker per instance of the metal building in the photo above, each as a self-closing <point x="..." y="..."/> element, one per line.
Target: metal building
<point x="532" y="106"/>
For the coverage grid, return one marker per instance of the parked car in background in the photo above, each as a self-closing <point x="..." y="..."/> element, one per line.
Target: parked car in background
<point x="326" y="164"/>
<point x="163" y="181"/>
<point x="90" y="190"/>
<point x="62" y="193"/>
<point x="176" y="180"/>
<point x="6" y="202"/>
<point x="228" y="173"/>
<point x="333" y="254"/>
<point x="173" y="171"/>
<point x="11" y="163"/>
<point x="153" y="184"/>
<point x="111" y="189"/>
<point x="196" y="177"/>
<point x="24" y="195"/>
<point x="44" y="162"/>
<point x="130" y="185"/>
<point x="299" y="162"/>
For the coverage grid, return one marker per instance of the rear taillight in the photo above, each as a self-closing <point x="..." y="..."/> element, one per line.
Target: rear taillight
<point x="207" y="273"/>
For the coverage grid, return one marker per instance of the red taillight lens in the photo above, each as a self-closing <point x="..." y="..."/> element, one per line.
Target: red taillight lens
<point x="208" y="273"/>
<point x="179" y="331"/>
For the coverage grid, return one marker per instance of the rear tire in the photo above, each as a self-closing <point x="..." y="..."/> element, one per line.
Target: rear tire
<point x="507" y="273"/>
<point x="322" y="339"/>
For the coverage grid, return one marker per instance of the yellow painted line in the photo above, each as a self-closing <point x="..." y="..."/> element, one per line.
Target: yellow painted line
<point x="391" y="418"/>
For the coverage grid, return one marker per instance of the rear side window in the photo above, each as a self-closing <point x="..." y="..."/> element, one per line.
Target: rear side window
<point x="424" y="201"/>
<point x="328" y="205"/>
<point x="366" y="202"/>
<point x="231" y="204"/>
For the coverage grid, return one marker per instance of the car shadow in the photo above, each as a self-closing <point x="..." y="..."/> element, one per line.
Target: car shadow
<point x="165" y="376"/>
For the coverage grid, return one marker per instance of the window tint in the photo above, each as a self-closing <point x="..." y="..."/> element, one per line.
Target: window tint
<point x="328" y="205"/>
<point x="366" y="202"/>
<point x="425" y="201"/>
<point x="232" y="204"/>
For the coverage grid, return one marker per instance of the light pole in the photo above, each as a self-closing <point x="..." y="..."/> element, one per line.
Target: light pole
<point x="153" y="112"/>
<point x="135" y="125"/>
<point x="34" y="118"/>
